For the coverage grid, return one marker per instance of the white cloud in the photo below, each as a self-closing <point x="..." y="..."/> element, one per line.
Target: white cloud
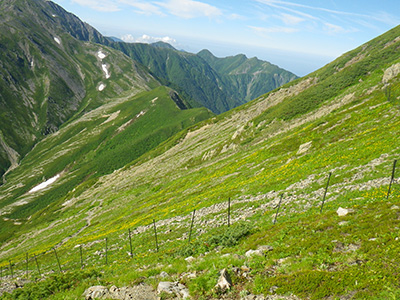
<point x="100" y="5"/>
<point x="348" y="16"/>
<point x="186" y="9"/>
<point x="129" y="38"/>
<point x="290" y="19"/>
<point x="189" y="9"/>
<point x="334" y="28"/>
<point x="145" y="8"/>
<point x="236" y="17"/>
<point x="274" y="29"/>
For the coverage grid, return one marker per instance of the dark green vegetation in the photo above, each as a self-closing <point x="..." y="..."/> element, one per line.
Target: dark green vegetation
<point x="47" y="76"/>
<point x="97" y="144"/>
<point x="250" y="78"/>
<point x="49" y="73"/>
<point x="219" y="84"/>
<point x="55" y="284"/>
<point x="343" y="119"/>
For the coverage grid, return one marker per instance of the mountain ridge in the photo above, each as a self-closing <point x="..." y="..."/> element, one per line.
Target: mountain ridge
<point x="65" y="77"/>
<point x="216" y="89"/>
<point x="300" y="174"/>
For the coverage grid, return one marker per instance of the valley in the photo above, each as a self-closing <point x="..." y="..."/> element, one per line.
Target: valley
<point x="142" y="185"/>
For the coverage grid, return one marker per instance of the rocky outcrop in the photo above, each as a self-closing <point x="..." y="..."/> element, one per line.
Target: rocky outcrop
<point x="139" y="292"/>
<point x="173" y="288"/>
<point x="260" y="251"/>
<point x="224" y="281"/>
<point x="391" y="72"/>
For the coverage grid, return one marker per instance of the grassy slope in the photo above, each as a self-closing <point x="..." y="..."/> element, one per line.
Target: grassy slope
<point x="251" y="154"/>
<point x="96" y="144"/>
<point x="44" y="83"/>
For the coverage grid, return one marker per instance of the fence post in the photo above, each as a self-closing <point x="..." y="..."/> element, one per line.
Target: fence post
<point x="58" y="261"/>
<point x="229" y="211"/>
<point x="11" y="270"/>
<point x="191" y="226"/>
<point x="27" y="264"/>
<point x="326" y="189"/>
<point x="392" y="178"/>
<point x="130" y="243"/>
<point x="37" y="265"/>
<point x="279" y="206"/>
<point x="80" y="252"/>
<point x="155" y="233"/>
<point x="106" y="251"/>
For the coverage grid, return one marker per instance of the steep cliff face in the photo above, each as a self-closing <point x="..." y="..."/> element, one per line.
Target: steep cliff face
<point x="48" y="73"/>
<point x="248" y="78"/>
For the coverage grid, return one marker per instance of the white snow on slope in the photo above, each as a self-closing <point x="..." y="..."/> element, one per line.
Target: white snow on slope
<point x="44" y="184"/>
<point x="57" y="40"/>
<point x="101" y="55"/>
<point x="104" y="67"/>
<point x="102" y="87"/>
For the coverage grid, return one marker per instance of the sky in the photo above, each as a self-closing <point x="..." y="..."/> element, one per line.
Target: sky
<point x="298" y="35"/>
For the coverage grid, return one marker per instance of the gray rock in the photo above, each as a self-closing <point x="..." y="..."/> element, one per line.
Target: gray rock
<point x="97" y="292"/>
<point x="139" y="292"/>
<point x="257" y="252"/>
<point x="342" y="212"/>
<point x="164" y="274"/>
<point x="304" y="148"/>
<point x="224" y="281"/>
<point x="176" y="288"/>
<point x="188" y="275"/>
<point x="265" y="248"/>
<point x="261" y="251"/>
<point x="190" y="259"/>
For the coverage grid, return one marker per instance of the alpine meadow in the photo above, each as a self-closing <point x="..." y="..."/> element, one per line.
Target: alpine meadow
<point x="139" y="171"/>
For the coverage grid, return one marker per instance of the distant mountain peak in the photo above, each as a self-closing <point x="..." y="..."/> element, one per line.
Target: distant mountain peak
<point x="161" y="44"/>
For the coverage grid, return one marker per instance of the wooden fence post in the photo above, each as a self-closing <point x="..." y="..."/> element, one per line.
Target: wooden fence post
<point x="27" y="264"/>
<point x="191" y="226"/>
<point x="81" y="255"/>
<point x="58" y="261"/>
<point x="326" y="189"/>
<point x="155" y="233"/>
<point x="37" y="265"/>
<point x="106" y="251"/>
<point x="229" y="211"/>
<point x="392" y="178"/>
<point x="279" y="206"/>
<point x="11" y="270"/>
<point x="130" y="243"/>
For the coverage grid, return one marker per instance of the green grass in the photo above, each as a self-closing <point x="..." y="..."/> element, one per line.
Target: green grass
<point x="315" y="255"/>
<point x="101" y="153"/>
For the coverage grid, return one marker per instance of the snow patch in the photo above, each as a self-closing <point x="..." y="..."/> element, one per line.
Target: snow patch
<point x="44" y="184"/>
<point x="57" y="40"/>
<point x="154" y="100"/>
<point x="104" y="67"/>
<point x="102" y="86"/>
<point x="101" y="55"/>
